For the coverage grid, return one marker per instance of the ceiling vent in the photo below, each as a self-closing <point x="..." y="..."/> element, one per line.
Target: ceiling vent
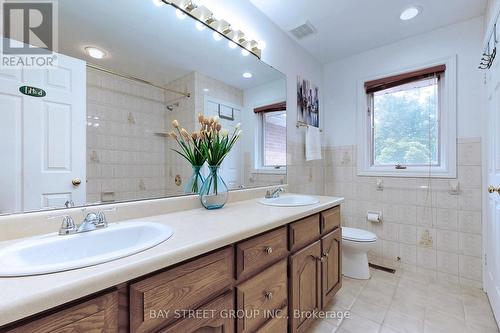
<point x="303" y="30"/>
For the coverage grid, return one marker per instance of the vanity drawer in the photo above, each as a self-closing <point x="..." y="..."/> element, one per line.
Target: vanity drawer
<point x="96" y="315"/>
<point x="212" y="317"/>
<point x="261" y="295"/>
<point x="259" y="252"/>
<point x="330" y="219"/>
<point x="304" y="232"/>
<point x="183" y="287"/>
<point x="278" y="324"/>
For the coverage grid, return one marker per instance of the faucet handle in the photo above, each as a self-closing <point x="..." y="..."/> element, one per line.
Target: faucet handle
<point x="101" y="217"/>
<point x="68" y="225"/>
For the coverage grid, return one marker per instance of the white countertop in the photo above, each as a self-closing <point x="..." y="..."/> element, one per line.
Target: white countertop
<point x="196" y="231"/>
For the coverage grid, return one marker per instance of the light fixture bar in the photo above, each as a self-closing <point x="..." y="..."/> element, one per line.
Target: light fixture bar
<point x="203" y="15"/>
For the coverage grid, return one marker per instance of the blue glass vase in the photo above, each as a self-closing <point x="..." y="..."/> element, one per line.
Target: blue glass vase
<point x="214" y="192"/>
<point x="195" y="182"/>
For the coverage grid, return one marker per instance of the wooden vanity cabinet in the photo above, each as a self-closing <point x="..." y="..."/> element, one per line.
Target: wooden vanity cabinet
<point x="97" y="315"/>
<point x="285" y="274"/>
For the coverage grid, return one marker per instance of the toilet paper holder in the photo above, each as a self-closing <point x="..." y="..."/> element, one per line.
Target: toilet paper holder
<point x="374" y="216"/>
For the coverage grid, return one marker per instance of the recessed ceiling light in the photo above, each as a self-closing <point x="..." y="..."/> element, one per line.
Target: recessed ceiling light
<point x="158" y="3"/>
<point x="245" y="52"/>
<point x="206" y="89"/>
<point x="216" y="36"/>
<point x="94" y="52"/>
<point x="231" y="44"/>
<point x="409" y="13"/>
<point x="180" y="14"/>
<point x="247" y="75"/>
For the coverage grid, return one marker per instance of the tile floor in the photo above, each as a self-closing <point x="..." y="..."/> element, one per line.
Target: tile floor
<point x="407" y="303"/>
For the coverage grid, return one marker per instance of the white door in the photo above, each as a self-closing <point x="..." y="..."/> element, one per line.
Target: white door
<point x="44" y="137"/>
<point x="231" y="169"/>
<point x="491" y="228"/>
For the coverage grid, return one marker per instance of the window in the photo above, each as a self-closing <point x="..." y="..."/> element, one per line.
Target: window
<point x="409" y="124"/>
<point x="272" y="139"/>
<point x="405" y="124"/>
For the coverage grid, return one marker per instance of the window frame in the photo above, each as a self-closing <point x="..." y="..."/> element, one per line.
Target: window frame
<point x="447" y="167"/>
<point x="263" y="166"/>
<point x="258" y="153"/>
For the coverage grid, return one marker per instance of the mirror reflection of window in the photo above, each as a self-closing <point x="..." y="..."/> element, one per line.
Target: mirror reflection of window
<point x="272" y="144"/>
<point x="274" y="139"/>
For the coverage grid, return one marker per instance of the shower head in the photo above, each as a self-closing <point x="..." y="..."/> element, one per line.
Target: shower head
<point x="171" y="107"/>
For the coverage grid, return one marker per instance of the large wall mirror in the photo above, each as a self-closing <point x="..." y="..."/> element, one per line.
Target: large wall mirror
<point x="98" y="135"/>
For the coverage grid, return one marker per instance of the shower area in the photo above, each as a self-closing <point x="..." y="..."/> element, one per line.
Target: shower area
<point x="127" y="156"/>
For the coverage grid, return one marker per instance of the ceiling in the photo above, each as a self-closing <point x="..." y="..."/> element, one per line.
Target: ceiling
<point x="151" y="43"/>
<point x="347" y="27"/>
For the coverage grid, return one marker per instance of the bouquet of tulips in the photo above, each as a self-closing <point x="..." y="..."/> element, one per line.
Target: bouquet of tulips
<point x="211" y="143"/>
<point x="216" y="143"/>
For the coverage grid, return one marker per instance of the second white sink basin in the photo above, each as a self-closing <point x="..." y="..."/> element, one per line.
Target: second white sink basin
<point x="53" y="253"/>
<point x="293" y="200"/>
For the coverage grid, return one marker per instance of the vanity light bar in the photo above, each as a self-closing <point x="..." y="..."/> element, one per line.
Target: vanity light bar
<point x="205" y="16"/>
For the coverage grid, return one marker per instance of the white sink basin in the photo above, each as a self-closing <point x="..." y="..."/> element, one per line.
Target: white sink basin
<point x="293" y="200"/>
<point x="53" y="253"/>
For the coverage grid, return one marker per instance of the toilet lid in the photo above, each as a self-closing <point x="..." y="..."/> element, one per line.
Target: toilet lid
<point x="358" y="235"/>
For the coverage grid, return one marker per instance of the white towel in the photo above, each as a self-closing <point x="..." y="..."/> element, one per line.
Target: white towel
<point x="313" y="143"/>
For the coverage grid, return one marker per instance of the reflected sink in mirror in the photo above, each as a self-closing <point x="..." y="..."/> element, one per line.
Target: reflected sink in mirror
<point x="292" y="200"/>
<point x="53" y="253"/>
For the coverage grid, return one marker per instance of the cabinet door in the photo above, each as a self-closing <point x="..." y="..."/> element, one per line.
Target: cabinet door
<point x="215" y="317"/>
<point x="93" y="316"/>
<point x="305" y="286"/>
<point x="331" y="269"/>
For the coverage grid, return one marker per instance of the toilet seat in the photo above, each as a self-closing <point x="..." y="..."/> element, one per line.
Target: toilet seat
<point x="358" y="235"/>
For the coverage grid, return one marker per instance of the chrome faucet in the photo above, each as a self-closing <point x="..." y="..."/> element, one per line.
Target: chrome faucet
<point x="91" y="222"/>
<point x="274" y="193"/>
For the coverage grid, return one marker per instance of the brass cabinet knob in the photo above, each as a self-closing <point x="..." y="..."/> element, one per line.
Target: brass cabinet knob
<point x="325" y="254"/>
<point x="268" y="295"/>
<point x="76" y="181"/>
<point x="493" y="189"/>
<point x="268" y="250"/>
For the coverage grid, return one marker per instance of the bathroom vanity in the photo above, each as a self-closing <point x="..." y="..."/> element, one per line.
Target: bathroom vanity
<point x="268" y="281"/>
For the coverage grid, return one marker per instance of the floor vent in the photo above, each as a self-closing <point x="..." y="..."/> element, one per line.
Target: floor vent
<point x="303" y="30"/>
<point x="382" y="268"/>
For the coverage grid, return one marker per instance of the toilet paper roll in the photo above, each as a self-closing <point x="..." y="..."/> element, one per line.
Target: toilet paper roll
<point x="373" y="217"/>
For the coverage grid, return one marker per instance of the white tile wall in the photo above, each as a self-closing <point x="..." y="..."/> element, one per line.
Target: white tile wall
<point x="430" y="230"/>
<point x="123" y="155"/>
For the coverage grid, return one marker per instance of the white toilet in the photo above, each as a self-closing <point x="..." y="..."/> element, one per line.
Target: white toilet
<point x="355" y="246"/>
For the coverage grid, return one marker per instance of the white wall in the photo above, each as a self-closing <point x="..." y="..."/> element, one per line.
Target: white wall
<point x="463" y="39"/>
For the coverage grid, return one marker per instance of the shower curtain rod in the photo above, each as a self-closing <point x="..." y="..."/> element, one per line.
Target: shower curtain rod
<point x="136" y="79"/>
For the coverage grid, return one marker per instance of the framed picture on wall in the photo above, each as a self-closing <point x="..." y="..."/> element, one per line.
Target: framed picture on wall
<point x="307" y="102"/>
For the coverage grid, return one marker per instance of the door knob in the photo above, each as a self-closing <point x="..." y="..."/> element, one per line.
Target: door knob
<point x="76" y="181"/>
<point x="493" y="189"/>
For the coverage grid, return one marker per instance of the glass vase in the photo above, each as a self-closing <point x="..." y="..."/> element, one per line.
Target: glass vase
<point x="214" y="192"/>
<point x="195" y="182"/>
